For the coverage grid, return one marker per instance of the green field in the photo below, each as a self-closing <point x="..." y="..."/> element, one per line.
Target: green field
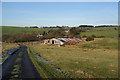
<point x="101" y="43"/>
<point x="83" y="62"/>
<point x="106" y="33"/>
<point x="15" y="30"/>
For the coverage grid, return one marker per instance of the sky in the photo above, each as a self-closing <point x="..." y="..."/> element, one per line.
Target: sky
<point x="60" y="0"/>
<point x="59" y="13"/>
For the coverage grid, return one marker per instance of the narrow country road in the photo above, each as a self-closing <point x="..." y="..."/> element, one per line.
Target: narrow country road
<point x="19" y="65"/>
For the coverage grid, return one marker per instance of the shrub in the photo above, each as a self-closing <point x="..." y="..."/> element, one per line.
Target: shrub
<point x="100" y="36"/>
<point x="84" y="36"/>
<point x="115" y="28"/>
<point x="74" y="31"/>
<point x="89" y="38"/>
<point x="119" y="35"/>
<point x="94" y="36"/>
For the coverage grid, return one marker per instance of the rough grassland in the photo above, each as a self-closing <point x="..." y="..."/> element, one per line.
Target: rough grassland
<point x="8" y="46"/>
<point x="81" y="62"/>
<point x="101" y="43"/>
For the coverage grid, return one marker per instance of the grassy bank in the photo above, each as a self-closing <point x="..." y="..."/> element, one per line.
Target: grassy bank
<point x="83" y="62"/>
<point x="6" y="47"/>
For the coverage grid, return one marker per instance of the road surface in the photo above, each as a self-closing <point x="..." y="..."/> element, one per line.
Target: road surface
<point x="19" y="65"/>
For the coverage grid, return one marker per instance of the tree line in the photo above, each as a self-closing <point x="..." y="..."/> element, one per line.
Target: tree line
<point x="69" y="26"/>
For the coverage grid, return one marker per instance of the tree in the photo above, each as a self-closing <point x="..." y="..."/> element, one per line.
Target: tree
<point x="55" y="33"/>
<point x="34" y="27"/>
<point x="89" y="38"/>
<point x="86" y="26"/>
<point x="44" y="33"/>
<point x="74" y="31"/>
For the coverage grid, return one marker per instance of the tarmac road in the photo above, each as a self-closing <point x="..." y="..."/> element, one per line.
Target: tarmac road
<point x="19" y="65"/>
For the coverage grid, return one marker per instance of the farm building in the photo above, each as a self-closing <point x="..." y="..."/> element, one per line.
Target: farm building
<point x="53" y="41"/>
<point x="62" y="41"/>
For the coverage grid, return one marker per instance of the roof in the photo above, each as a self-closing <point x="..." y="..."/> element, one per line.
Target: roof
<point x="61" y="42"/>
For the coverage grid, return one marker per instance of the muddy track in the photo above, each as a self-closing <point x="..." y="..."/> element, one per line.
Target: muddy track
<point x="19" y="65"/>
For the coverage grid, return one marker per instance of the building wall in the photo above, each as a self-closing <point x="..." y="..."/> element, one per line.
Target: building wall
<point x="50" y="41"/>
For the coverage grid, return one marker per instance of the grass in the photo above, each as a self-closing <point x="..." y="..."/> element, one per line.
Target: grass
<point x="81" y="62"/>
<point x="8" y="46"/>
<point x="107" y="33"/>
<point x="45" y="70"/>
<point x="101" y="43"/>
<point x="0" y="52"/>
<point x="16" y="30"/>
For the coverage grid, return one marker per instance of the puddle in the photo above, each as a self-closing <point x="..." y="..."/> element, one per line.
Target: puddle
<point x="58" y="69"/>
<point x="10" y="51"/>
<point x="43" y="60"/>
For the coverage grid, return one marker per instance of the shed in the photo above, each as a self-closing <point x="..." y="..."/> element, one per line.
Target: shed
<point x="53" y="41"/>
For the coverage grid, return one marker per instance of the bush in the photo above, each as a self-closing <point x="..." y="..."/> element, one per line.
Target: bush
<point x="100" y="36"/>
<point x="119" y="35"/>
<point x="89" y="38"/>
<point x="55" y="33"/>
<point x="84" y="36"/>
<point x="74" y="31"/>
<point x="115" y="28"/>
<point x="94" y="36"/>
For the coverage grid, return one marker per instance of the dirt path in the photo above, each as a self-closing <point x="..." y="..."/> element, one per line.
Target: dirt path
<point x="19" y="65"/>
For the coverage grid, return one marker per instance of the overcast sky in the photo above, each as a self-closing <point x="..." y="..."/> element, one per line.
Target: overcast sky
<point x="59" y="13"/>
